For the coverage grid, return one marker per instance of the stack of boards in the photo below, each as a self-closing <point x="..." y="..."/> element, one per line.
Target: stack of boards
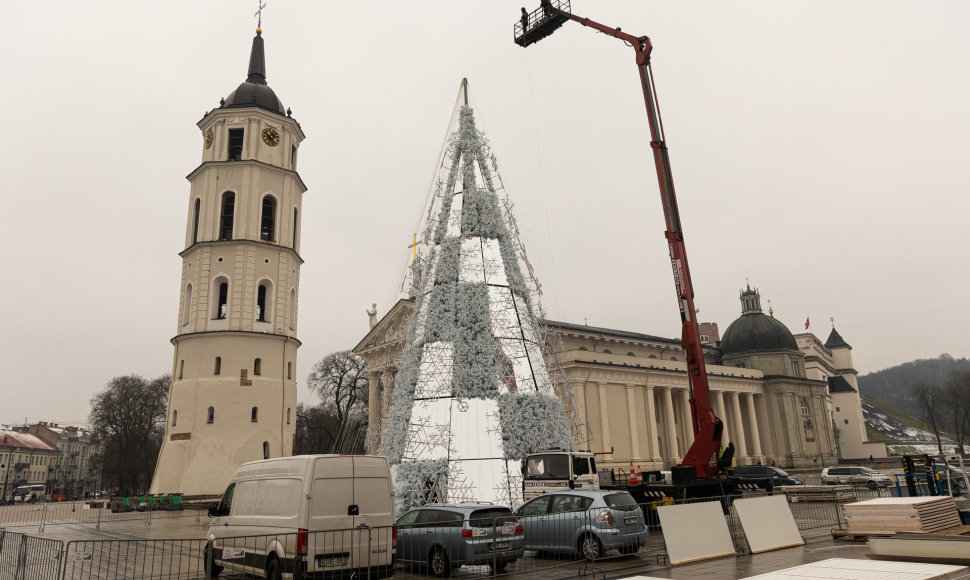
<point x="901" y="514"/>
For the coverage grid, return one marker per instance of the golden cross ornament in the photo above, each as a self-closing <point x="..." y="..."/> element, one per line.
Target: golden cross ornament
<point x="259" y="14"/>
<point x="415" y="246"/>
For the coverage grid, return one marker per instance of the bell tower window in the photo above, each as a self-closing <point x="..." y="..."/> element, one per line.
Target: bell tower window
<point x="261" y="303"/>
<point x="236" y="144"/>
<point x="222" y="305"/>
<point x="258" y="366"/>
<point x="268" y="220"/>
<point x="195" y="220"/>
<point x="226" y="217"/>
<point x="296" y="221"/>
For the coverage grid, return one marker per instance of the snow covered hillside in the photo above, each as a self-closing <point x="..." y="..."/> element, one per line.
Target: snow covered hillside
<point x="910" y="439"/>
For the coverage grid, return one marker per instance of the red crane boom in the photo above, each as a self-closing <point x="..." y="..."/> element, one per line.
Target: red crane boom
<point x="704" y="452"/>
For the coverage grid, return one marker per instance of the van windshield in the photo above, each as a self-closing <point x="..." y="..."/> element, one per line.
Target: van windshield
<point x="549" y="466"/>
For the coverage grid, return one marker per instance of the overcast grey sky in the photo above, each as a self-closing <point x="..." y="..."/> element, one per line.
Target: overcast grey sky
<point x="819" y="149"/>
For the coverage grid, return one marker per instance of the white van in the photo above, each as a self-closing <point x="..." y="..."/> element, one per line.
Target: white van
<point x="308" y="516"/>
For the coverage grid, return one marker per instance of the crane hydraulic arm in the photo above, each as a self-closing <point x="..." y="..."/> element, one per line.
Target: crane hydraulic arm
<point x="704" y="452"/>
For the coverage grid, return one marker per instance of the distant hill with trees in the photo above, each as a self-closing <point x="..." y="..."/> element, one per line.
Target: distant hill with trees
<point x="896" y="385"/>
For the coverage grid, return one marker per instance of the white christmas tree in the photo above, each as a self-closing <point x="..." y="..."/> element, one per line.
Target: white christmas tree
<point x="473" y="394"/>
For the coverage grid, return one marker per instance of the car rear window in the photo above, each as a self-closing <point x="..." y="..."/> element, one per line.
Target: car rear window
<point x="487" y="517"/>
<point x="620" y="501"/>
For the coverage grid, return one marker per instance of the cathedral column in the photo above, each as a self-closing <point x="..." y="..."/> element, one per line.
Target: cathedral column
<point x="753" y="423"/>
<point x="761" y="409"/>
<point x="739" y="431"/>
<point x="719" y="411"/>
<point x="688" y="421"/>
<point x="373" y="410"/>
<point x="604" y="419"/>
<point x="634" y="436"/>
<point x="653" y="428"/>
<point x="671" y="430"/>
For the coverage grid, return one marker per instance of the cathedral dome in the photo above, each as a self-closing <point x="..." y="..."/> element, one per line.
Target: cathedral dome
<point x="755" y="331"/>
<point x="254" y="92"/>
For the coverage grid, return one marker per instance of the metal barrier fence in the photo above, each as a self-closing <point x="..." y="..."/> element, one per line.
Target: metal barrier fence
<point x="42" y="514"/>
<point x="581" y="535"/>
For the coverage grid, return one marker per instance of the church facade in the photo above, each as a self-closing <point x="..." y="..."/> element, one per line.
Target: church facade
<point x="782" y="397"/>
<point x="233" y="393"/>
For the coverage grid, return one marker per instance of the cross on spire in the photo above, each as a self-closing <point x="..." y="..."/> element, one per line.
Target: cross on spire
<point x="259" y="15"/>
<point x="415" y="245"/>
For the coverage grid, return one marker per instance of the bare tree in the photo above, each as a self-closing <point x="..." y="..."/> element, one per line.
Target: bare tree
<point x="931" y="401"/>
<point x="956" y="396"/>
<point x="129" y="416"/>
<point x="340" y="380"/>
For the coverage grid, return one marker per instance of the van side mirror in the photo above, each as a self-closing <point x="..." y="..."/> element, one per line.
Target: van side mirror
<point x="213" y="511"/>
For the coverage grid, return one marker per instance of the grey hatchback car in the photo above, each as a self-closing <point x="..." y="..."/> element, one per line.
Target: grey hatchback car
<point x="446" y="536"/>
<point x="587" y="522"/>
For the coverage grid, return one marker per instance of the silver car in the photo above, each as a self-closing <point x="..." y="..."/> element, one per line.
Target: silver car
<point x="855" y="475"/>
<point x="446" y="536"/>
<point x="587" y="522"/>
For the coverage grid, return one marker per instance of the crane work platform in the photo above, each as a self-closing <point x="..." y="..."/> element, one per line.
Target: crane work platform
<point x="541" y="22"/>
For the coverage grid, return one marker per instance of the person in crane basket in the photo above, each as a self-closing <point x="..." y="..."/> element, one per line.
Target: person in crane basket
<point x="525" y="20"/>
<point x="727" y="457"/>
<point x="546" y="8"/>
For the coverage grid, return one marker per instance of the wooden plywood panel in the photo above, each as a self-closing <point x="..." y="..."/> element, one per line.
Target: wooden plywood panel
<point x="768" y="523"/>
<point x="846" y="569"/>
<point x="695" y="531"/>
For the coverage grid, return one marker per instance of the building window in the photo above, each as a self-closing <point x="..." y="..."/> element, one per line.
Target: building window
<point x="258" y="366"/>
<point x="268" y="221"/>
<point x="287" y="415"/>
<point x="211" y="416"/>
<point x="293" y="157"/>
<point x="837" y="409"/>
<point x="255" y="415"/>
<point x="296" y="223"/>
<point x="187" y="307"/>
<point x="218" y="368"/>
<point x="195" y="220"/>
<point x="265" y="449"/>
<point x="226" y="217"/>
<point x="175" y="417"/>
<point x="181" y="367"/>
<point x="739" y="365"/>
<point x="292" y="308"/>
<point x="805" y="409"/>
<point x="289" y="371"/>
<point x="222" y="304"/>
<point x="236" y="144"/>
<point x="846" y="421"/>
<point x="261" y="303"/>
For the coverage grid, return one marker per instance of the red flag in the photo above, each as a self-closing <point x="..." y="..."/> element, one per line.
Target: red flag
<point x="806" y="323"/>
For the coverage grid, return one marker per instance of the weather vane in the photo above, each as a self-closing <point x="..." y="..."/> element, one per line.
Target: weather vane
<point x="259" y="15"/>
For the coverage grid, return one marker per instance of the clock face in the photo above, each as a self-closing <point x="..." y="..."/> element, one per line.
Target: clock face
<point x="207" y="138"/>
<point x="271" y="136"/>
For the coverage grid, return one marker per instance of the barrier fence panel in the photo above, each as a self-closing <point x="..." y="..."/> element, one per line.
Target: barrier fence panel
<point x="9" y="554"/>
<point x="134" y="559"/>
<point x="93" y="512"/>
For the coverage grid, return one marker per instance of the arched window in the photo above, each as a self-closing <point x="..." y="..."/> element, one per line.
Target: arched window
<point x="255" y="415"/>
<point x="211" y="418"/>
<point x="175" y="417"/>
<point x="264" y="301"/>
<point x="584" y="348"/>
<point x="258" y="366"/>
<point x="195" y="220"/>
<point x="226" y="217"/>
<point x="221" y="304"/>
<point x="292" y="308"/>
<point x="218" y="368"/>
<point x="265" y="449"/>
<point x="607" y="351"/>
<point x="804" y="406"/>
<point x="187" y="307"/>
<point x="296" y="223"/>
<point x="268" y="221"/>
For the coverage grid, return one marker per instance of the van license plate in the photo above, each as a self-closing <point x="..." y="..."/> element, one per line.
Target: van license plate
<point x="630" y="521"/>
<point x="500" y="546"/>
<point x="331" y="562"/>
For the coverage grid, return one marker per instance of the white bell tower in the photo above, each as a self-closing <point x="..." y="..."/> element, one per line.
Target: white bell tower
<point x="233" y="393"/>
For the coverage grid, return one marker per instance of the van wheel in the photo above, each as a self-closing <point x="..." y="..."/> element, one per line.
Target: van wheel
<point x="438" y="563"/>
<point x="211" y="569"/>
<point x="872" y="485"/>
<point x="590" y="547"/>
<point x="273" y="569"/>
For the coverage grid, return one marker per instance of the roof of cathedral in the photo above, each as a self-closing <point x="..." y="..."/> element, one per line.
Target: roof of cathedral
<point x="835" y="340"/>
<point x="254" y="92"/>
<point x="756" y="332"/>
<point x="838" y="384"/>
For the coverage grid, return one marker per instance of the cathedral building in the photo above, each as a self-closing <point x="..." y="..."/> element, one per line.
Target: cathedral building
<point x="786" y="400"/>
<point x="233" y="393"/>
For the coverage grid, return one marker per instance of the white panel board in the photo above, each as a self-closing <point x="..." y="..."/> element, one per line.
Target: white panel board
<point x="695" y="531"/>
<point x="768" y="523"/>
<point x="846" y="569"/>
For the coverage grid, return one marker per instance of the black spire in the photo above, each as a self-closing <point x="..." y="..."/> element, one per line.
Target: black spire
<point x="835" y="340"/>
<point x="257" y="61"/>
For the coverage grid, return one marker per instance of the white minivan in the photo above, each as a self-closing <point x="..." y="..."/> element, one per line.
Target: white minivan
<point x="307" y="516"/>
